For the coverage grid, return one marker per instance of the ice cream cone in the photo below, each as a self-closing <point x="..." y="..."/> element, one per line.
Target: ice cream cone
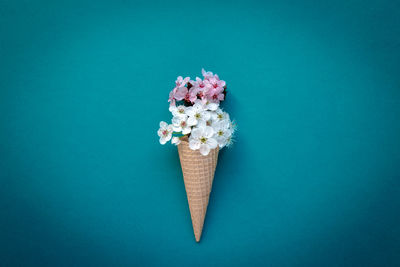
<point x="198" y="175"/>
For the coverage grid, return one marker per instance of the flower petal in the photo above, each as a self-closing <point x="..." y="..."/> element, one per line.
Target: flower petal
<point x="181" y="93"/>
<point x="172" y="109"/>
<point x="186" y="130"/>
<point x="197" y="107"/>
<point x="205" y="115"/>
<point x="208" y="131"/>
<point x="175" y="140"/>
<point x="194" y="144"/>
<point x="177" y="128"/>
<point x="190" y="111"/>
<point x="162" y="141"/>
<point x="201" y="124"/>
<point x="212" y="143"/>
<point x="191" y="121"/>
<point x="196" y="133"/>
<point x="159" y="133"/>
<point x="204" y="149"/>
<point x="212" y="106"/>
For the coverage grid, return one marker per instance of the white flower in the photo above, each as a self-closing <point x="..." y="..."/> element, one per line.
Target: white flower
<point x="175" y="140"/>
<point x="202" y="138"/>
<point x="196" y="113"/>
<point x="179" y="111"/>
<point x="220" y="115"/>
<point x="180" y="125"/>
<point x="165" y="132"/>
<point x="222" y="132"/>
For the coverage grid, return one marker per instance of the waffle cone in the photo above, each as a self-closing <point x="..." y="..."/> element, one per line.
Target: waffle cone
<point x="198" y="175"/>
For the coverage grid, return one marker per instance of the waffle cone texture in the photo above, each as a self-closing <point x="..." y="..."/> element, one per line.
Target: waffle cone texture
<point x="198" y="175"/>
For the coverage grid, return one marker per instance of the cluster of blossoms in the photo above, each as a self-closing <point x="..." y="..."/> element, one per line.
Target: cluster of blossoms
<point x="199" y="117"/>
<point x="209" y="89"/>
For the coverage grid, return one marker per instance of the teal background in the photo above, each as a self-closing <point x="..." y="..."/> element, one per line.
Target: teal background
<point x="313" y="179"/>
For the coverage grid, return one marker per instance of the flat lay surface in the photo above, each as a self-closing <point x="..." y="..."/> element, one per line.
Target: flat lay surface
<point x="312" y="180"/>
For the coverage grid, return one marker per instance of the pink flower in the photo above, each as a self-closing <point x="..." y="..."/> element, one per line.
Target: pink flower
<point x="216" y="91"/>
<point x="201" y="87"/>
<point x="189" y="95"/>
<point x="215" y="83"/>
<point x="207" y="74"/>
<point x="214" y="95"/>
<point x="179" y="84"/>
<point x="200" y="84"/>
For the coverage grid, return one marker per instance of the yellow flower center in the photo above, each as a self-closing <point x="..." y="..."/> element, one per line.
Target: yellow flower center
<point x="203" y="140"/>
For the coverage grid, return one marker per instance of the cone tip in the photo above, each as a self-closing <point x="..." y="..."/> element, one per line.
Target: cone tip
<point x="197" y="234"/>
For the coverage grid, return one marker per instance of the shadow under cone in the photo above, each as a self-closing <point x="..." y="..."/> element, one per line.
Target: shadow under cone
<point x="198" y="175"/>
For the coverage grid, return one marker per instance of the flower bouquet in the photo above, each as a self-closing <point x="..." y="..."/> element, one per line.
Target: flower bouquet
<point x="200" y="128"/>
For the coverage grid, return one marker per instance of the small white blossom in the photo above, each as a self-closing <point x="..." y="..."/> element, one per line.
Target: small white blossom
<point x="165" y="132"/>
<point x="220" y="115"/>
<point x="197" y="113"/>
<point x="179" y="111"/>
<point x="180" y="125"/>
<point x="202" y="138"/>
<point x="222" y="132"/>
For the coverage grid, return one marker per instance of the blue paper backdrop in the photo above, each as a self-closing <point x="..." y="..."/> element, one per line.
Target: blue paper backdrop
<point x="313" y="179"/>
